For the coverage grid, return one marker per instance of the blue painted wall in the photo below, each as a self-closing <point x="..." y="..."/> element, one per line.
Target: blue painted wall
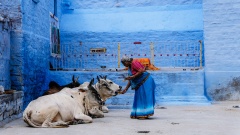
<point x="222" y="38"/>
<point x="30" y="48"/>
<point x="131" y="21"/>
<point x="5" y="54"/>
<point x="134" y="19"/>
<point x="10" y="19"/>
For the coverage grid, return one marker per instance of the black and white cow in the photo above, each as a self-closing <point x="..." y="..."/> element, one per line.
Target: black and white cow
<point x="69" y="106"/>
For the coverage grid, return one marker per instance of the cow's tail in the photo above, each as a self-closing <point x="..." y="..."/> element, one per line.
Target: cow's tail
<point x="26" y="116"/>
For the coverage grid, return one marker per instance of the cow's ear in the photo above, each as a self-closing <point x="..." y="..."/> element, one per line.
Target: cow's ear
<point x="76" y="79"/>
<point x="98" y="79"/>
<point x="84" y="87"/>
<point x="105" y="77"/>
<point x="100" y="76"/>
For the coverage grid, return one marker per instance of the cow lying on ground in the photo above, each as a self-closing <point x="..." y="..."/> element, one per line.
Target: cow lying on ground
<point x="55" y="87"/>
<point x="106" y="89"/>
<point x="69" y="106"/>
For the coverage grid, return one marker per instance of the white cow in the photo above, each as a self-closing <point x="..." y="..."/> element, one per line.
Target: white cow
<point x="69" y="106"/>
<point x="106" y="89"/>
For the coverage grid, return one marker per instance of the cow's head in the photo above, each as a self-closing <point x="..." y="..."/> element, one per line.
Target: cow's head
<point x="74" y="83"/>
<point x="106" y="87"/>
<point x="54" y="87"/>
<point x="93" y="102"/>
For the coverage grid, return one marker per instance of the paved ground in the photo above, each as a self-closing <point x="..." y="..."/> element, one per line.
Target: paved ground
<point x="219" y="118"/>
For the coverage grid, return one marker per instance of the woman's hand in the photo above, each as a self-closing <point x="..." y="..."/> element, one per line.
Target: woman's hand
<point x="123" y="91"/>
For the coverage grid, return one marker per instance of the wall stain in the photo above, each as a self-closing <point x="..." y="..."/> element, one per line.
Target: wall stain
<point x="230" y="92"/>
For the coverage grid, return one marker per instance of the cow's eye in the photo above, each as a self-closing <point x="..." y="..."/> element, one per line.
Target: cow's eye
<point x="105" y="85"/>
<point x="111" y="82"/>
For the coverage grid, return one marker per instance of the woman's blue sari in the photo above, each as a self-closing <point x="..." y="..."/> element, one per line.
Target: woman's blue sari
<point x="144" y="98"/>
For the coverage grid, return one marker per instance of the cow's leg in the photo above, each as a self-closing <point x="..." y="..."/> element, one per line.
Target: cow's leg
<point x="104" y="109"/>
<point x="48" y="122"/>
<point x="58" y="124"/>
<point x="96" y="113"/>
<point x="82" y="118"/>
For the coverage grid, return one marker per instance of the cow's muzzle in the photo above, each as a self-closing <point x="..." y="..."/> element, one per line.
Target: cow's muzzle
<point x="118" y="91"/>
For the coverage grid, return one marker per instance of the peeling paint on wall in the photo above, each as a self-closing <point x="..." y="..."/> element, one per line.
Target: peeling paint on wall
<point x="229" y="92"/>
<point x="221" y="45"/>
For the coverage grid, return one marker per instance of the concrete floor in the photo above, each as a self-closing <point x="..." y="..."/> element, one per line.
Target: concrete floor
<point x="219" y="118"/>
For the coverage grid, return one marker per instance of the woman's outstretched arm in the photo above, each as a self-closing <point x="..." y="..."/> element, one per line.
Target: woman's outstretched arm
<point x="126" y="88"/>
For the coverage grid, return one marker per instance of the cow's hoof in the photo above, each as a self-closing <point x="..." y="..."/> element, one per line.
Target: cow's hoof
<point x="104" y="109"/>
<point x="74" y="122"/>
<point x="62" y="126"/>
<point x="80" y="121"/>
<point x="97" y="116"/>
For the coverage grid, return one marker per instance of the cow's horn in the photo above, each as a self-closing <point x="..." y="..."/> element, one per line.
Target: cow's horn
<point x="98" y="79"/>
<point x="91" y="82"/>
<point x="73" y="78"/>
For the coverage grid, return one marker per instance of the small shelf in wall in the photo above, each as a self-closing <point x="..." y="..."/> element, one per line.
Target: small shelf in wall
<point x="98" y="50"/>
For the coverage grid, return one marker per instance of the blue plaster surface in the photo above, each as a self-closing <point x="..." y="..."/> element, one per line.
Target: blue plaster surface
<point x="134" y="19"/>
<point x="30" y="48"/>
<point x="76" y="4"/>
<point x="170" y="18"/>
<point x="17" y="61"/>
<point x="67" y="37"/>
<point x="132" y="23"/>
<point x="221" y="37"/>
<point x="153" y="22"/>
<point x="5" y="56"/>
